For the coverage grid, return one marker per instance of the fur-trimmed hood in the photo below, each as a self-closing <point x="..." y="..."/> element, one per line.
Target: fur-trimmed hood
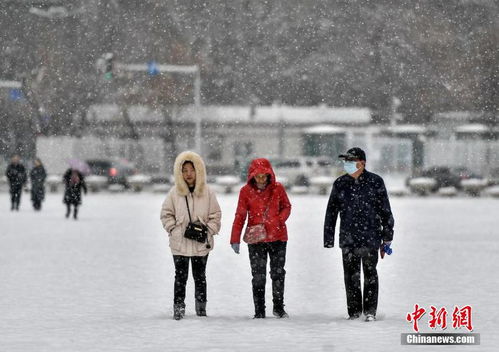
<point x="181" y="185"/>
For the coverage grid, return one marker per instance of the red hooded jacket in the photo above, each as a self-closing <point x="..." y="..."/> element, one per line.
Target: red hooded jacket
<point x="254" y="202"/>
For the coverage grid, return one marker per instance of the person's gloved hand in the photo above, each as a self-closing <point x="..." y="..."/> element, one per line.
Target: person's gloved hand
<point x="385" y="248"/>
<point x="235" y="247"/>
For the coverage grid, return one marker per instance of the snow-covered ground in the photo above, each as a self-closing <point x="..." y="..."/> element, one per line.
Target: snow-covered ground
<point x="105" y="282"/>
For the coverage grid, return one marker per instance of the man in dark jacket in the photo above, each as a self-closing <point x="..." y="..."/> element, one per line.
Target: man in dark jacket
<point x="16" y="174"/>
<point x="361" y="200"/>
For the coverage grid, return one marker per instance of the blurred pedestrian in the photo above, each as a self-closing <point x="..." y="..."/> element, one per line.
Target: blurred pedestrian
<point x="266" y="205"/>
<point x="16" y="175"/>
<point x="191" y="216"/>
<point x="37" y="176"/>
<point x="74" y="182"/>
<point x="361" y="200"/>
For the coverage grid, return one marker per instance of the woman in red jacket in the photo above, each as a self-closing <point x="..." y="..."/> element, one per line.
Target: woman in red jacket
<point x="264" y="201"/>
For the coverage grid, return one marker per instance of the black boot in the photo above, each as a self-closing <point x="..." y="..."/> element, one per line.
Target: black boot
<point x="259" y="309"/>
<point x="259" y="301"/>
<point x="75" y="213"/>
<point x="259" y="314"/>
<point x="178" y="311"/>
<point x="279" y="311"/>
<point x="200" y="308"/>
<point x="68" y="211"/>
<point x="278" y="298"/>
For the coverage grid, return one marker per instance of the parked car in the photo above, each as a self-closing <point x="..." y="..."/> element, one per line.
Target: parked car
<point x="116" y="170"/>
<point x="493" y="179"/>
<point x="298" y="171"/>
<point x="445" y="176"/>
<point x="465" y="173"/>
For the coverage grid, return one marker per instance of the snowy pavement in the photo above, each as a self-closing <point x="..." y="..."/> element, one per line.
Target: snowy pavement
<point x="105" y="282"/>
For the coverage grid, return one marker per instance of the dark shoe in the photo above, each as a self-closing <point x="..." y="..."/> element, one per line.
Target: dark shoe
<point x="354" y="317"/>
<point x="279" y="312"/>
<point x="201" y="309"/>
<point x="75" y="215"/>
<point x="178" y="311"/>
<point x="370" y="317"/>
<point x="259" y="315"/>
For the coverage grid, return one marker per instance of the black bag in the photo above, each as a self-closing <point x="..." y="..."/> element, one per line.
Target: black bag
<point x="196" y="230"/>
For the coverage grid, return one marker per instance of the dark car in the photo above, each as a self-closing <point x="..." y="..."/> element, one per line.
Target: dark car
<point x="446" y="176"/>
<point x="116" y="171"/>
<point x="443" y="176"/>
<point x="494" y="177"/>
<point x="464" y="173"/>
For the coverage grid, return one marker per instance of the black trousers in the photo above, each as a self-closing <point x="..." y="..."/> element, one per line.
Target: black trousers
<point x="15" y="196"/>
<point x="37" y="204"/>
<point x="182" y="272"/>
<point x="352" y="260"/>
<point x="258" y="259"/>
<point x="68" y="209"/>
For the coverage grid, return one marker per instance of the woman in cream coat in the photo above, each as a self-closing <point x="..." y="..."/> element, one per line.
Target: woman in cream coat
<point x="190" y="187"/>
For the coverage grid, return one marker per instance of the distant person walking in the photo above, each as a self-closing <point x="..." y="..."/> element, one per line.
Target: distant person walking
<point x="37" y="176"/>
<point x="360" y="199"/>
<point x="191" y="216"/>
<point x="16" y="175"/>
<point x="74" y="182"/>
<point x="266" y="205"/>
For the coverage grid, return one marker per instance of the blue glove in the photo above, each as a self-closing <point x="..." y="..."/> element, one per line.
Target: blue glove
<point x="235" y="247"/>
<point x="385" y="249"/>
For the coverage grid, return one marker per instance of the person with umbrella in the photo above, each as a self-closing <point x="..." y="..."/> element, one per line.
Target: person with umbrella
<point x="74" y="182"/>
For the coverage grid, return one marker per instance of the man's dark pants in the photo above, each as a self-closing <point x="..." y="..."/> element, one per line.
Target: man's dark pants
<point x="352" y="260"/>
<point x="15" y="196"/>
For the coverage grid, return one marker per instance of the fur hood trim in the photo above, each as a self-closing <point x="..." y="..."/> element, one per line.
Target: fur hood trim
<point x="180" y="184"/>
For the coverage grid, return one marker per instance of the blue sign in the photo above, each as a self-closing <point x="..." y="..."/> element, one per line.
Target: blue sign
<point x="152" y="68"/>
<point x="16" y="94"/>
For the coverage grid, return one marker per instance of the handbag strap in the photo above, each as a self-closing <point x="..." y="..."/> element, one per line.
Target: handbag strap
<point x="187" y="202"/>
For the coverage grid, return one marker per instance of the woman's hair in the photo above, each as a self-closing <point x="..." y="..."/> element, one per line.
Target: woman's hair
<point x="253" y="181"/>
<point x="188" y="162"/>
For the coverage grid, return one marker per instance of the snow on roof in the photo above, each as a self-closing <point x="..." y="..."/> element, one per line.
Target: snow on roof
<point x="103" y="112"/>
<point x="144" y="113"/>
<point x="407" y="129"/>
<point x="237" y="114"/>
<point x="456" y="115"/>
<point x="112" y="112"/>
<point x="324" y="129"/>
<point x="281" y="113"/>
<point x="472" y="128"/>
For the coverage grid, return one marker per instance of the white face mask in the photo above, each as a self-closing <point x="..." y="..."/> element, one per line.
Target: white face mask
<point x="350" y="167"/>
